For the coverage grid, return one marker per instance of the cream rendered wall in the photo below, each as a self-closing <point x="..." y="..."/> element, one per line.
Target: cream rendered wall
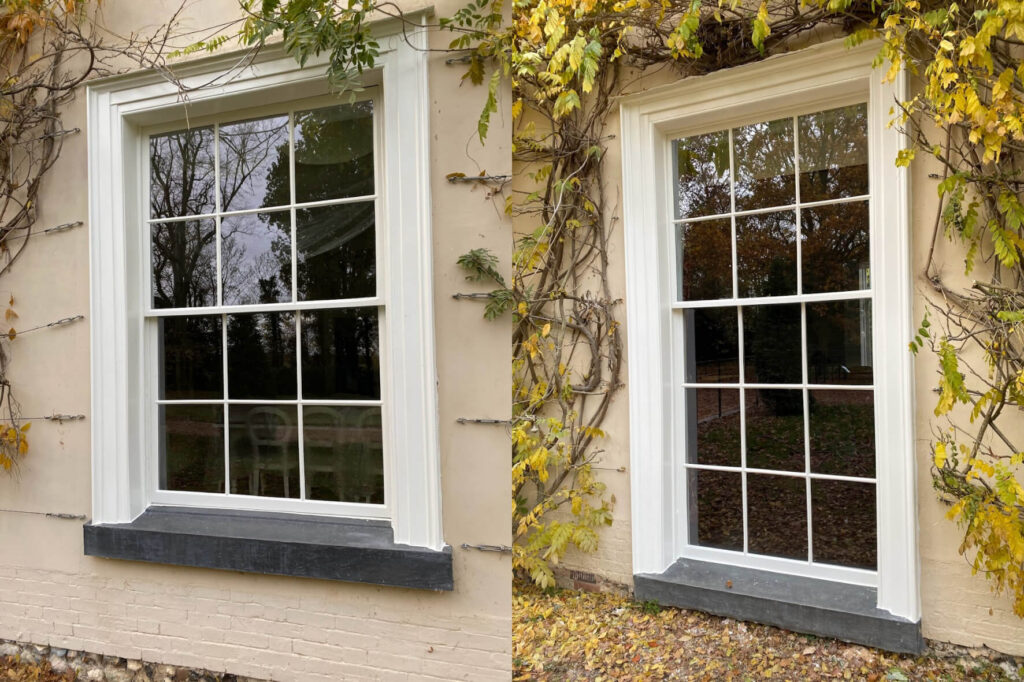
<point x="262" y="626"/>
<point x="956" y="606"/>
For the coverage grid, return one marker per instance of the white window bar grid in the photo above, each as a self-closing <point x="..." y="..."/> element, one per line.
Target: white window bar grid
<point x="227" y="499"/>
<point x="678" y="307"/>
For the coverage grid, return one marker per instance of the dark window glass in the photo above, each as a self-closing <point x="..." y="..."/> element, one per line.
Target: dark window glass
<point x="334" y="152"/>
<point x="261" y="356"/>
<point x="839" y="342"/>
<point x="764" y="165"/>
<point x="256" y="258"/>
<point x="182" y="181"/>
<point x="716" y="509"/>
<point x="713" y="356"/>
<point x="192" y="448"/>
<point x="336" y="252"/>
<point x="702" y="181"/>
<point x="836" y="248"/>
<point x="771" y="344"/>
<point x="191" y="361"/>
<point x="705" y="260"/>
<point x="777" y="516"/>
<point x="834" y="153"/>
<point x="766" y="254"/>
<point x="775" y="429"/>
<point x="842" y="426"/>
<point x="344" y="455"/>
<point x="844" y="518"/>
<point x="254" y="164"/>
<point x="713" y="416"/>
<point x="340" y="354"/>
<point x="264" y="450"/>
<point x="184" y="264"/>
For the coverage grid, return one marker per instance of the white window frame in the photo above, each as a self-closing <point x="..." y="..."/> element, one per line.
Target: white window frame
<point x="814" y="79"/>
<point x="122" y="112"/>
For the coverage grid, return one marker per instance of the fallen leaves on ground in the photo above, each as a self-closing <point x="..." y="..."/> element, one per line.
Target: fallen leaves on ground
<point x="569" y="635"/>
<point x="14" y="670"/>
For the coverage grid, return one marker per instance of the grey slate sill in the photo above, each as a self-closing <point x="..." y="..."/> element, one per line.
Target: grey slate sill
<point x="352" y="550"/>
<point x="809" y="605"/>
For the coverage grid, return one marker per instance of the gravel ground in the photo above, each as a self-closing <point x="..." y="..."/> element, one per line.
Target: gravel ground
<point x="569" y="635"/>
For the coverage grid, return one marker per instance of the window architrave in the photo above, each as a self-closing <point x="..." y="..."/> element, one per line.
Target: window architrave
<point x="122" y="111"/>
<point x="815" y="78"/>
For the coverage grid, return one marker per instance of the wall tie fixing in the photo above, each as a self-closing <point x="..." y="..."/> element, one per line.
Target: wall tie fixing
<point x="64" y="516"/>
<point x="57" y="323"/>
<point x="467" y="420"/>
<point x="460" y="177"/>
<point x="63" y="227"/>
<point x="56" y="417"/>
<point x="501" y="549"/>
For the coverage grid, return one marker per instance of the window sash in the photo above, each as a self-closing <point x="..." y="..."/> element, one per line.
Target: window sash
<point x="687" y="461"/>
<point x="151" y="315"/>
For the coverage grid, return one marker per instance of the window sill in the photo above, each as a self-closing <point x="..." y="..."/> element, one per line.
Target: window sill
<point x="809" y="605"/>
<point x="352" y="550"/>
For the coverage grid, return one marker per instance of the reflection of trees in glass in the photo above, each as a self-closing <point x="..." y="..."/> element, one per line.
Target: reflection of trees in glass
<point x="706" y="259"/>
<point x="336" y="246"/>
<point x="249" y="150"/>
<point x="334" y="152"/>
<point x="182" y="183"/>
<point x="256" y="258"/>
<point x="766" y="254"/>
<point x="336" y="252"/>
<point x="181" y="173"/>
<point x="764" y="164"/>
<point x="836" y="247"/>
<point x="184" y="259"/>
<point x="340" y="354"/>
<point x="702" y="167"/>
<point x="834" y="153"/>
<point x="191" y="361"/>
<point x="261" y="356"/>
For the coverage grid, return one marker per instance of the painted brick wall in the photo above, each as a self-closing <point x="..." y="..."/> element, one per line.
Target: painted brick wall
<point x="260" y="626"/>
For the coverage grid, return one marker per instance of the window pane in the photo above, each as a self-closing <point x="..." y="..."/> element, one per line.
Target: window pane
<point x="839" y="342"/>
<point x="766" y="254"/>
<point x="191" y="358"/>
<point x="336" y="252"/>
<point x="844" y="523"/>
<point x="712" y="345"/>
<point x="182" y="181"/>
<point x="777" y="516"/>
<point x="775" y="429"/>
<point x="771" y="344"/>
<point x="705" y="260"/>
<point x="702" y="167"/>
<point x="261" y="356"/>
<point x="842" y="425"/>
<point x="764" y="165"/>
<point x="834" y="153"/>
<point x="192" y="448"/>
<point x="184" y="264"/>
<point x="256" y="258"/>
<point x="344" y="455"/>
<point x="264" y="450"/>
<point x="334" y="152"/>
<point x="254" y="164"/>
<point x="714" y="426"/>
<point x="340" y="354"/>
<point x="716" y="509"/>
<point x="836" y="248"/>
